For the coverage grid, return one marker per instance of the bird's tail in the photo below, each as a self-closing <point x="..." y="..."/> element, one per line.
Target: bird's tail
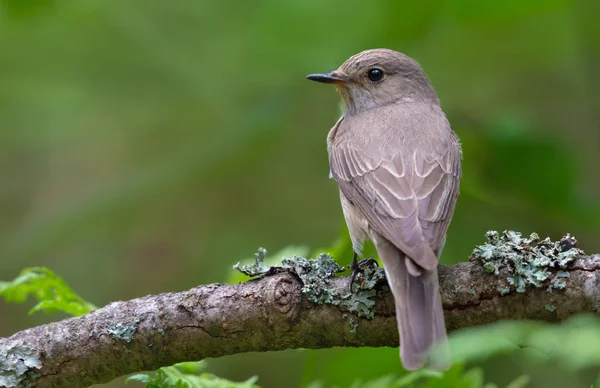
<point x="419" y="311"/>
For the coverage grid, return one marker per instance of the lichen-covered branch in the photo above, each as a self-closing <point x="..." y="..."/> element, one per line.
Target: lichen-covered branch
<point x="280" y="311"/>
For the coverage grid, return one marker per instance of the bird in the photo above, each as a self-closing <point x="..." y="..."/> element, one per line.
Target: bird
<point x="397" y="163"/>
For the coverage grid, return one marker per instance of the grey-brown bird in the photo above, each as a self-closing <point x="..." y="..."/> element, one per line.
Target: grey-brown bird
<point x="396" y="161"/>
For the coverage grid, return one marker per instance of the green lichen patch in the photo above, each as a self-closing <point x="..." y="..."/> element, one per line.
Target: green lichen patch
<point x="17" y="363"/>
<point x="532" y="262"/>
<point x="122" y="332"/>
<point x="353" y="325"/>
<point x="503" y="291"/>
<point x="359" y="302"/>
<point x="550" y="308"/>
<point x="317" y="275"/>
<point x="158" y="329"/>
<point x="369" y="275"/>
<point x="256" y="269"/>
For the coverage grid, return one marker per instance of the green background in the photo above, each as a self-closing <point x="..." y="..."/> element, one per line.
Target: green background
<point x="148" y="145"/>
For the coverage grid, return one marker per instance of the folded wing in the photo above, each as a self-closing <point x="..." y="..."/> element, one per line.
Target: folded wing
<point x="408" y="198"/>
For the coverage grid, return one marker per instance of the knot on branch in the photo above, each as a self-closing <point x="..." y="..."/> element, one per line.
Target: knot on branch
<point x="286" y="295"/>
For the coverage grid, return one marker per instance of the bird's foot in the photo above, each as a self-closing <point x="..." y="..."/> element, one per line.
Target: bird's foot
<point x="356" y="266"/>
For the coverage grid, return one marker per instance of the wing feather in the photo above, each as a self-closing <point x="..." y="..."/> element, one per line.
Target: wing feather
<point x="406" y="197"/>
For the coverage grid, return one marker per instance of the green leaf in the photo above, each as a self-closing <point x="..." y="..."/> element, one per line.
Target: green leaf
<point x="50" y="290"/>
<point x="519" y="382"/>
<point x="413" y="377"/>
<point x="423" y="378"/>
<point x="573" y="344"/>
<point x="188" y="375"/>
<point x="142" y="378"/>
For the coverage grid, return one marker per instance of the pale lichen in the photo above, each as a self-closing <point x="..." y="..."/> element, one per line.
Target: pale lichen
<point x="531" y="262"/>
<point x="122" y="331"/>
<point x="256" y="269"/>
<point x="503" y="291"/>
<point x="316" y="276"/>
<point x="158" y="329"/>
<point x="353" y="325"/>
<point x="17" y="364"/>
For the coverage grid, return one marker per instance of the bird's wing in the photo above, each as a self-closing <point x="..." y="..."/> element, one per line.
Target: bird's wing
<point x="408" y="198"/>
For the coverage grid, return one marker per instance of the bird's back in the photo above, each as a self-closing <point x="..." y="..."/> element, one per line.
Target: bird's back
<point x="415" y="143"/>
<point x="399" y="128"/>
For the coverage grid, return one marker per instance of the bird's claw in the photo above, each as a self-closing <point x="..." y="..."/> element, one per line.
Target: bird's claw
<point x="356" y="266"/>
<point x="367" y="262"/>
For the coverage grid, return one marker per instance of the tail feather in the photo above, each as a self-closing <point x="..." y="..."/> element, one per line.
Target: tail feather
<point x="419" y="311"/>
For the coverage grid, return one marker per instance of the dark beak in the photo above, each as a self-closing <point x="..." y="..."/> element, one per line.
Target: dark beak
<point x="326" y="78"/>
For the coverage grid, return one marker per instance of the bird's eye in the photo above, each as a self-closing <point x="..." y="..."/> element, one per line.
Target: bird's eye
<point x="375" y="75"/>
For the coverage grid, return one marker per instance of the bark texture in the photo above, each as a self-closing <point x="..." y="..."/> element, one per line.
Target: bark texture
<point x="267" y="314"/>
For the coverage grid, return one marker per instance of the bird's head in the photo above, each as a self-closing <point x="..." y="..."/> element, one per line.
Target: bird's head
<point x="375" y="78"/>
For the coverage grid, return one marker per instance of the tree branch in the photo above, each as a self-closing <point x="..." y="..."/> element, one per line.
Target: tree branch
<point x="267" y="314"/>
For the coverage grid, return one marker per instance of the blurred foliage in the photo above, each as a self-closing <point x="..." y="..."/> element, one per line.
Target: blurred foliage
<point x="574" y="344"/>
<point x="146" y="146"/>
<point x="51" y="292"/>
<point x="188" y="375"/>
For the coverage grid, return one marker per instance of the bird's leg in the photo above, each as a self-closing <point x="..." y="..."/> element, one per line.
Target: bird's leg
<point x="355" y="268"/>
